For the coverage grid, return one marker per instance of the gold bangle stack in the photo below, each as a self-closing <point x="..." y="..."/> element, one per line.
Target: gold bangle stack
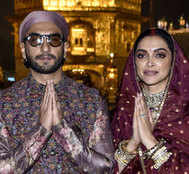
<point x="151" y="151"/>
<point x="160" y="156"/>
<point x="122" y="155"/>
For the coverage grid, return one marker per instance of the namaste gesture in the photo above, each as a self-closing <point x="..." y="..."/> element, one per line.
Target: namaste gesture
<point x="50" y="112"/>
<point x="142" y="126"/>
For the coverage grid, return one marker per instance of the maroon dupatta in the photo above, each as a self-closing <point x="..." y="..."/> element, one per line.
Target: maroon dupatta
<point x="173" y="122"/>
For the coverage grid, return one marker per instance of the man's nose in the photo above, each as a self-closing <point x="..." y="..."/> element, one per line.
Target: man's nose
<point x="45" y="47"/>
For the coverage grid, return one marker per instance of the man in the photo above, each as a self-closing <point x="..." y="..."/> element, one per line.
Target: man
<point x="49" y="123"/>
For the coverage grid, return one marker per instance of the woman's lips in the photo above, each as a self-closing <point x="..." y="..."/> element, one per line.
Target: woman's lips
<point x="150" y="72"/>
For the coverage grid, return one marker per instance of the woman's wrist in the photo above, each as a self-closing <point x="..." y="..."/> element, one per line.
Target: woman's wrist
<point x="151" y="143"/>
<point x="159" y="154"/>
<point x="122" y="156"/>
<point x="132" y="146"/>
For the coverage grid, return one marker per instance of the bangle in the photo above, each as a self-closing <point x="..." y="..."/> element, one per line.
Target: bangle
<point x="122" y="155"/>
<point x="160" y="156"/>
<point x="149" y="153"/>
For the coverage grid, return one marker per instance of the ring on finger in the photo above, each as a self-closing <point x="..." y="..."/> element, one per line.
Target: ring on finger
<point x="142" y="115"/>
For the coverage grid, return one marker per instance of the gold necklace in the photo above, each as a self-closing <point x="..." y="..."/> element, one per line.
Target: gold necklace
<point x="154" y="102"/>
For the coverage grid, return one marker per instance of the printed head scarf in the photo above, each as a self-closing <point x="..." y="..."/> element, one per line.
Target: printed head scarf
<point x="43" y="16"/>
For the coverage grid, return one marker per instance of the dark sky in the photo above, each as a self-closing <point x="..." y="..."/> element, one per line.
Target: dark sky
<point x="170" y="9"/>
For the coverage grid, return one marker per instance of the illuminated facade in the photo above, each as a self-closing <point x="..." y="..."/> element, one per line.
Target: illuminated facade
<point x="180" y="32"/>
<point x="98" y="30"/>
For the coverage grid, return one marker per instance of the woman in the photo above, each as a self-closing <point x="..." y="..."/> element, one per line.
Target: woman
<point x="152" y="115"/>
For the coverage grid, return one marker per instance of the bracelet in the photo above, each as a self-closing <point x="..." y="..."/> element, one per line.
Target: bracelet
<point x="159" y="153"/>
<point x="160" y="156"/>
<point x="149" y="153"/>
<point x="122" y="155"/>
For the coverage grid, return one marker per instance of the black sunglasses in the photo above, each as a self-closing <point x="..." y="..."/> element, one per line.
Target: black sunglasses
<point x="36" y="39"/>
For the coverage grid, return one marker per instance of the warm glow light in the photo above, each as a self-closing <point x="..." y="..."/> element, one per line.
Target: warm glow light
<point x="111" y="55"/>
<point x="78" y="30"/>
<point x="78" y="51"/>
<point x="1" y="74"/>
<point x="162" y="24"/>
<point x="95" y="3"/>
<point x="112" y="70"/>
<point x="78" y="70"/>
<point x="69" y="4"/>
<point x="111" y="3"/>
<point x="111" y="75"/>
<point x="90" y="49"/>
<point x="182" y="21"/>
<point x="54" y="3"/>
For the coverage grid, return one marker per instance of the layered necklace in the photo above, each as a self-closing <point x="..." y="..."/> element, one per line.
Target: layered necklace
<point x="154" y="103"/>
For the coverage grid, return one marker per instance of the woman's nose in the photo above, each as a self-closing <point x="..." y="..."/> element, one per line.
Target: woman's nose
<point x="150" y="61"/>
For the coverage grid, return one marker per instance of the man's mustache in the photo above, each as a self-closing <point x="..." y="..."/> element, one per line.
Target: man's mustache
<point x="41" y="56"/>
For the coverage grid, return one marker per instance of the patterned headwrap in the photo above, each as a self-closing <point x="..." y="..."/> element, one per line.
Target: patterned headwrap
<point x="43" y="16"/>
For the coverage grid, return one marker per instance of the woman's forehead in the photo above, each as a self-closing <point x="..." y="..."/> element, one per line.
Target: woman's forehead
<point x="152" y="43"/>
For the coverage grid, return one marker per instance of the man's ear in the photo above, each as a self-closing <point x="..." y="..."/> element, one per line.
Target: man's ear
<point x="23" y="51"/>
<point x="66" y="46"/>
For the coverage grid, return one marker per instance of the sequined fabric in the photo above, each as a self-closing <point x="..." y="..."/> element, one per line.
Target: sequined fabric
<point x="82" y="143"/>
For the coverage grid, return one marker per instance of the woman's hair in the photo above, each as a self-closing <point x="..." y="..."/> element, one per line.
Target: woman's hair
<point x="156" y="32"/>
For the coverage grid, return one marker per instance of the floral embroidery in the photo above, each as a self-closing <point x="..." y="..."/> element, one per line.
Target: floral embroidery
<point x="7" y="166"/>
<point x="72" y="144"/>
<point x="3" y="131"/>
<point x="98" y="131"/>
<point x="20" y="107"/>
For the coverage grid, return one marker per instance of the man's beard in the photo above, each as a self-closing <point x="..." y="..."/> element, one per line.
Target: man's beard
<point x="29" y="63"/>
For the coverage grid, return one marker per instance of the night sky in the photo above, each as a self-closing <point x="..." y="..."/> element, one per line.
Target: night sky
<point x="170" y="9"/>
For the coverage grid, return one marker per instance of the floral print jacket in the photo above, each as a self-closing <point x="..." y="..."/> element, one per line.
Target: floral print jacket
<point x="81" y="144"/>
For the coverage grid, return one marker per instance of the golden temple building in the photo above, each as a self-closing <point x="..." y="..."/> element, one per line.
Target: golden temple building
<point x="102" y="33"/>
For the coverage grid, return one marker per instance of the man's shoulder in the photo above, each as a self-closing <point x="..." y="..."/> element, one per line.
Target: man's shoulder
<point x="14" y="92"/>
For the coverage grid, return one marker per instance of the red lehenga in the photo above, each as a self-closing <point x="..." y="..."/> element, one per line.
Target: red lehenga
<point x="172" y="125"/>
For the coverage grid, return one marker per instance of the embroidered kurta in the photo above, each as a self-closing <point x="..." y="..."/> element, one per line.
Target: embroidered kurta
<point x="82" y="143"/>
